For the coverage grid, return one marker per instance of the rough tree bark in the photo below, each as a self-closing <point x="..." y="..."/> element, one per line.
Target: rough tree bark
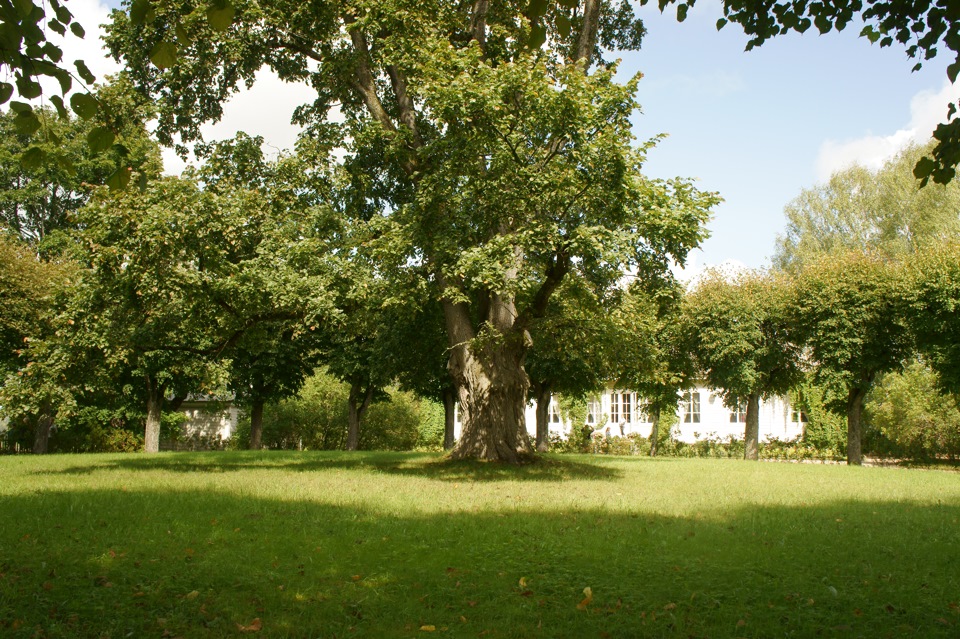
<point x="256" y="424"/>
<point x="41" y="433"/>
<point x="751" y="431"/>
<point x="151" y="437"/>
<point x="542" y="391"/>
<point x="491" y="381"/>
<point x="359" y="401"/>
<point x="854" y="412"/>
<point x="449" y="417"/>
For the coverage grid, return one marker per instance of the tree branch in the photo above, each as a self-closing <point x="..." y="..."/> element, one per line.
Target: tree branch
<point x="363" y="81"/>
<point x="538" y="307"/>
<point x="478" y="26"/>
<point x="587" y="41"/>
<point x="408" y="114"/>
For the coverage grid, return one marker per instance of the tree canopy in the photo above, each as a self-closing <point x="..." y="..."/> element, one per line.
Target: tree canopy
<point x="742" y="340"/>
<point x="481" y="149"/>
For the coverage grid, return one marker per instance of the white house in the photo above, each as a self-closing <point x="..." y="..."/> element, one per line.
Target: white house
<point x="701" y="415"/>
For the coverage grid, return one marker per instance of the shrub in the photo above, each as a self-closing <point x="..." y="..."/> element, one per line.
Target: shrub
<point x="908" y="417"/>
<point x="317" y="419"/>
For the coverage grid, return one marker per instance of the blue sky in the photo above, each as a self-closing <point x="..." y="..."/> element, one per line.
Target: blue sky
<point x="759" y="126"/>
<point x="755" y="126"/>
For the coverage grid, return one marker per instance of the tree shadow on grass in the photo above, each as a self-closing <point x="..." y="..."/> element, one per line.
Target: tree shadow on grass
<point x="149" y="562"/>
<point x="424" y="465"/>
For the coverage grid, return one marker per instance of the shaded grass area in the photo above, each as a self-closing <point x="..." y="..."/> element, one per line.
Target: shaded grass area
<point x="405" y="545"/>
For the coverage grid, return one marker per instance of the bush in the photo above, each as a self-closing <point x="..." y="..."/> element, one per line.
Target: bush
<point x="317" y="419"/>
<point x="908" y="417"/>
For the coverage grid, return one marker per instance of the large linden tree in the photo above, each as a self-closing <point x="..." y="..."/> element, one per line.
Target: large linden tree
<point x="487" y="145"/>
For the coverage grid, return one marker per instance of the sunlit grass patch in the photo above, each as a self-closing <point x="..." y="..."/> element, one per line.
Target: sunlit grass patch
<point x="385" y="544"/>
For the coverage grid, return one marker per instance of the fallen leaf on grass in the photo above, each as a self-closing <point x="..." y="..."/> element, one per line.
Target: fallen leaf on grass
<point x="427" y="628"/>
<point x="587" y="598"/>
<point x="526" y="593"/>
<point x="356" y="577"/>
<point x="193" y="594"/>
<point x="255" y="626"/>
<point x="670" y="606"/>
<point x="523" y="582"/>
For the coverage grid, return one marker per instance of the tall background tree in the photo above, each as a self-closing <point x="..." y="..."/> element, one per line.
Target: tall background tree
<point x="883" y="211"/>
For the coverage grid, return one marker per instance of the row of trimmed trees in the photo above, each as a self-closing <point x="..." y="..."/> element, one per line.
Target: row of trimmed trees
<point x="846" y="320"/>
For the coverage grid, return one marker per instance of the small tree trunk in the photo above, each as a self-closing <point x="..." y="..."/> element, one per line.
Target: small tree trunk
<point x="854" y="411"/>
<point x="41" y="433"/>
<point x="256" y="424"/>
<point x="359" y="401"/>
<point x="654" y="431"/>
<point x="543" y="394"/>
<point x="449" y="417"/>
<point x="751" y="431"/>
<point x="151" y="438"/>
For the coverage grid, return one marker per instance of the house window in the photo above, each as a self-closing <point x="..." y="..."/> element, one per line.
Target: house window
<point x="593" y="409"/>
<point x="614" y="408"/>
<point x="627" y="407"/>
<point x="691" y="407"/>
<point x="739" y="414"/>
<point x="554" y="413"/>
<point x="798" y="416"/>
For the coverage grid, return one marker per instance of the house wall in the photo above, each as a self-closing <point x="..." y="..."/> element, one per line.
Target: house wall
<point x="210" y="421"/>
<point x="714" y="418"/>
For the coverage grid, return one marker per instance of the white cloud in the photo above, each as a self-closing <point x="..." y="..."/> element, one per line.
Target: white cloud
<point x="692" y="274"/>
<point x="89" y="14"/>
<point x="265" y="110"/>
<point x="927" y="109"/>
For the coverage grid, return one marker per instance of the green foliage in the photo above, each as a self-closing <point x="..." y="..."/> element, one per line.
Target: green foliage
<point x="933" y="304"/>
<point x="847" y="310"/>
<point x="825" y="428"/>
<point x="915" y="418"/>
<point x="28" y="289"/>
<point x="38" y="198"/>
<point x="740" y="335"/>
<point x="316" y="419"/>
<point x="431" y="429"/>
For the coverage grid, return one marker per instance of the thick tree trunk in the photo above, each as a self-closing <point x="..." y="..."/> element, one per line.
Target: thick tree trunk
<point x="654" y="431"/>
<point x="543" y="395"/>
<point x="751" y="431"/>
<point x="359" y="401"/>
<point x="493" y="393"/>
<point x="449" y="417"/>
<point x="256" y="424"/>
<point x="151" y="438"/>
<point x="854" y="411"/>
<point x="41" y="433"/>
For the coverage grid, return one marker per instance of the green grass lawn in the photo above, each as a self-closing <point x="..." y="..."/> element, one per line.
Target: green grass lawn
<point x="406" y="545"/>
